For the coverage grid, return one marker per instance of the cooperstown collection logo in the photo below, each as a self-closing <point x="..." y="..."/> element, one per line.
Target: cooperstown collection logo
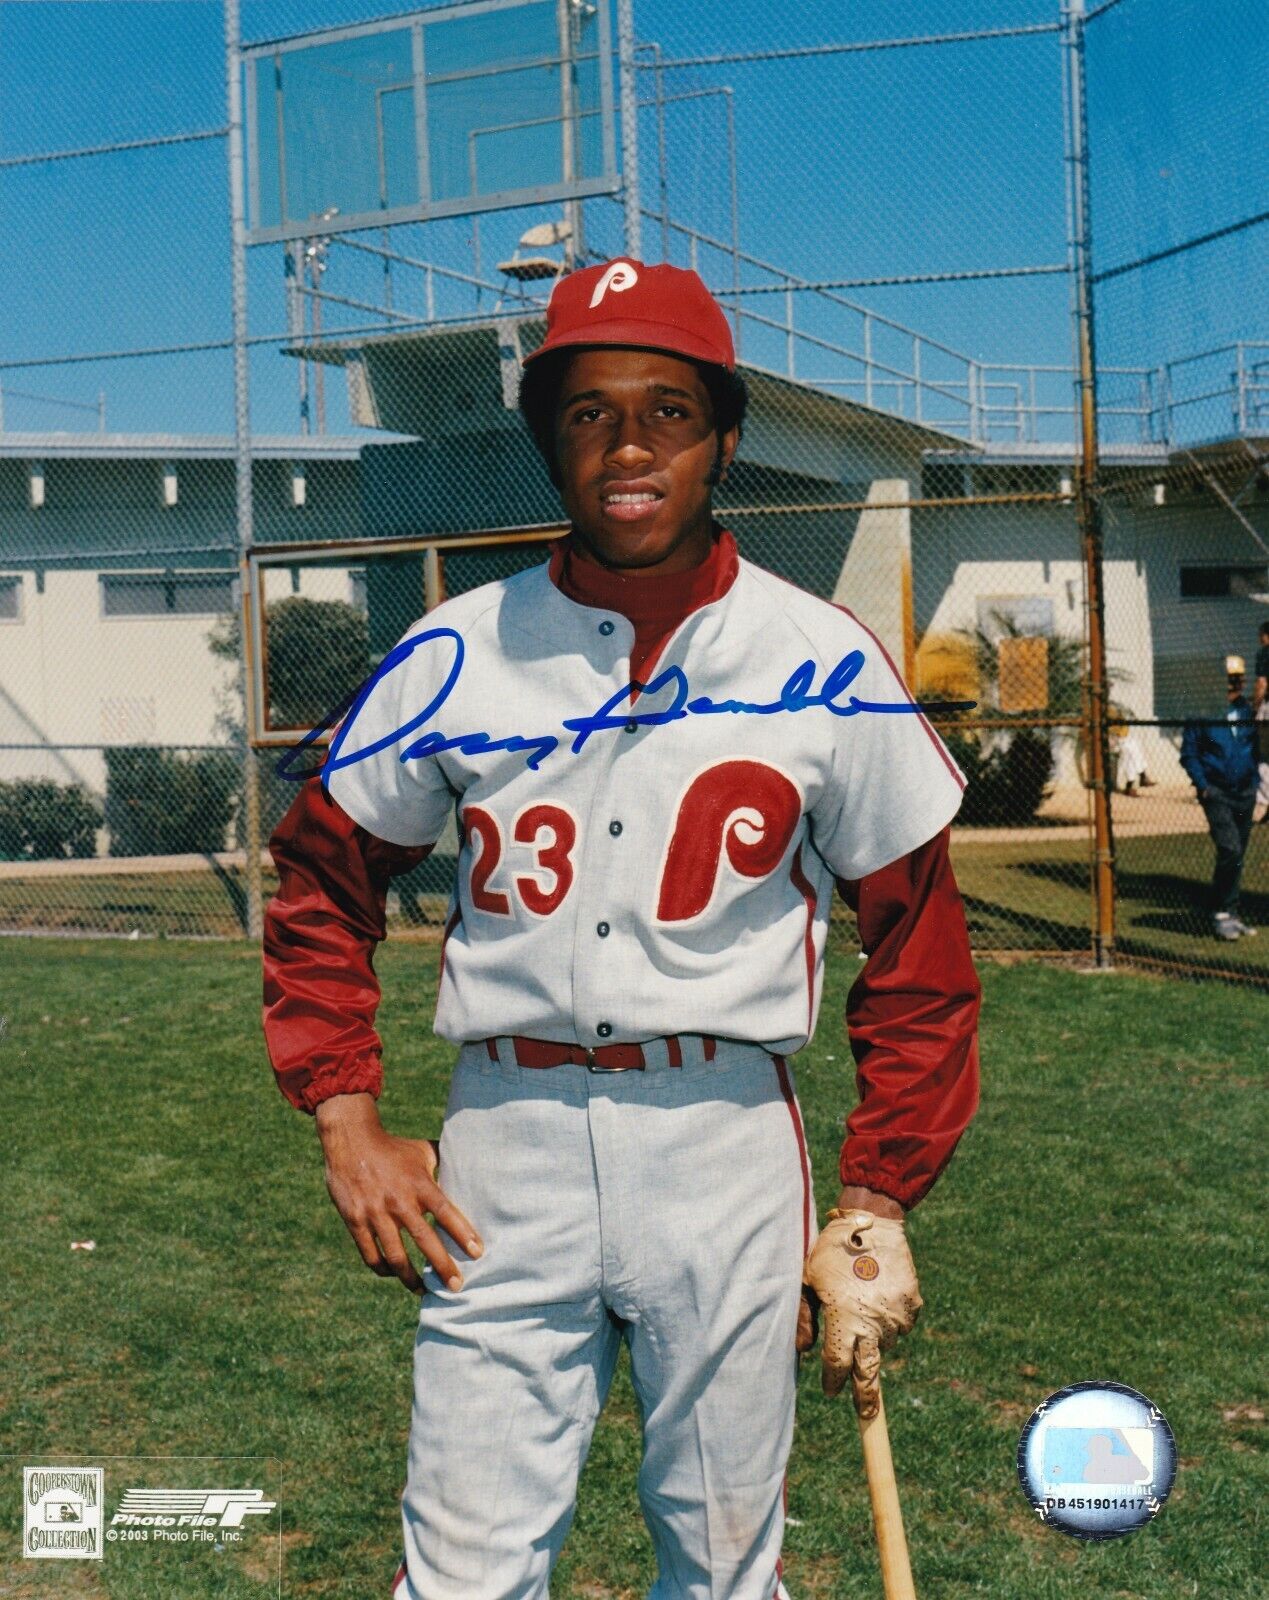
<point x="61" y="1513"/>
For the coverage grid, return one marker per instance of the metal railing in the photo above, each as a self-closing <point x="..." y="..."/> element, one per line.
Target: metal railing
<point x="825" y="340"/>
<point x="1230" y="373"/>
<point x="932" y="384"/>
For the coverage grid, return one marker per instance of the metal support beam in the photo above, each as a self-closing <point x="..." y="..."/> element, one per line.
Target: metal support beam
<point x="1230" y="505"/>
<point x="249" y="821"/>
<point x="629" y="96"/>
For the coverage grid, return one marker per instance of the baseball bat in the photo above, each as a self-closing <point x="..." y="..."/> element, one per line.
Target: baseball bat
<point x="896" y="1572"/>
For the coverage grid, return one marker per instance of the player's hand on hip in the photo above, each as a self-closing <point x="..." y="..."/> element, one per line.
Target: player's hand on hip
<point x="860" y="1270"/>
<point x="384" y="1186"/>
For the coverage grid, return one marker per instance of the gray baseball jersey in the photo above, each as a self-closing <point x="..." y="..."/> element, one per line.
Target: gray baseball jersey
<point x="629" y="870"/>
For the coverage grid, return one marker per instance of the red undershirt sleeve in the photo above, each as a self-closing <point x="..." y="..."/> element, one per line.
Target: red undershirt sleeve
<point x="320" y="934"/>
<point x="912" y="1019"/>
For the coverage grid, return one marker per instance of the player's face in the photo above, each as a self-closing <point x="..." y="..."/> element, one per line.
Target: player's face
<point x="635" y="441"/>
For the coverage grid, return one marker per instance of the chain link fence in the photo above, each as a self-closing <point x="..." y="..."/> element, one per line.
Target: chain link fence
<point x="993" y="288"/>
<point x="1179" y="207"/>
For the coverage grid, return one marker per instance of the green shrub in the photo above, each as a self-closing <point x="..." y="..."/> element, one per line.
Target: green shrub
<point x="318" y="650"/>
<point x="41" y="820"/>
<point x="169" y="802"/>
<point x="1004" y="785"/>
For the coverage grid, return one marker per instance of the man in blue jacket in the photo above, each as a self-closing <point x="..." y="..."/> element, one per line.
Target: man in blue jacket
<point x="1220" y="760"/>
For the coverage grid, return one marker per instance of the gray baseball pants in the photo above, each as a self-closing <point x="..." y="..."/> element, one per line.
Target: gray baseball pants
<point x="670" y="1208"/>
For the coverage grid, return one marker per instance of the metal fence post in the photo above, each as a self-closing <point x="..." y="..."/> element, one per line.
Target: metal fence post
<point x="1088" y="487"/>
<point x="789" y="356"/>
<point x="663" y="168"/>
<point x="1241" y="378"/>
<point x="916" y="375"/>
<point x="249" y="830"/>
<point x="628" y="82"/>
<point x="735" y="209"/>
<point x="1165" y="403"/>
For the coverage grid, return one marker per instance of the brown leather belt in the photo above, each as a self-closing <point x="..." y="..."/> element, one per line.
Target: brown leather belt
<point x="606" y="1058"/>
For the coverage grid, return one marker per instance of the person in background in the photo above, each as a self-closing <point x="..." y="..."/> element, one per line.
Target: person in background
<point x="1219" y="757"/>
<point x="1125" y="743"/>
<point x="1260" y="707"/>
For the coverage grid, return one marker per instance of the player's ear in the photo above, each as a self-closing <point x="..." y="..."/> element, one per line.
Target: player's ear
<point x="727" y="445"/>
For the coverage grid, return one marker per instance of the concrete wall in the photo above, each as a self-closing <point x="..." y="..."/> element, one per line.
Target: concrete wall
<point x="875" y="581"/>
<point x="1165" y="653"/>
<point x="966" y="558"/>
<point x="1189" y="638"/>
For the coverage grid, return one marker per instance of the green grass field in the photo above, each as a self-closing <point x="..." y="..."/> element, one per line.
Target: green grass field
<point x="1101" y="1220"/>
<point x="1020" y="894"/>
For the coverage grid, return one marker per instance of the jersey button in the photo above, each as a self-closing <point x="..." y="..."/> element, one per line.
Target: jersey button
<point x="632" y="726"/>
<point x="604" y="1030"/>
<point x="614" y="827"/>
<point x="605" y="627"/>
<point x="602" y="929"/>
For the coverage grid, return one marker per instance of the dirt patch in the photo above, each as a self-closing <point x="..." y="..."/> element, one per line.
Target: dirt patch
<point x="1242" y="1413"/>
<point x="260" y="1560"/>
<point x="810" y="1577"/>
<point x="1202" y="1073"/>
<point x="82" y="1582"/>
<point x="1029" y="1529"/>
<point x="1002" y="1409"/>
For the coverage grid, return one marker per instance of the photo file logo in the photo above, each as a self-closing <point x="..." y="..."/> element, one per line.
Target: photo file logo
<point x="223" y="1508"/>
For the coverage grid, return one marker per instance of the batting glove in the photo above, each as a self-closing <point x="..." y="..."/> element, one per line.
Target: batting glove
<point x="860" y="1269"/>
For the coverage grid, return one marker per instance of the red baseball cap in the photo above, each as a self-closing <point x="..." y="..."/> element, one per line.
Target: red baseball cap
<point x="625" y="302"/>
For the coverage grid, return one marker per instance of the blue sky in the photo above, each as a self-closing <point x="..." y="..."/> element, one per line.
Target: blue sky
<point x="933" y="159"/>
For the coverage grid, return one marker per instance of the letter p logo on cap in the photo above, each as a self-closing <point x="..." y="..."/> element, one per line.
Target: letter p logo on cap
<point x="619" y="276"/>
<point x="627" y="302"/>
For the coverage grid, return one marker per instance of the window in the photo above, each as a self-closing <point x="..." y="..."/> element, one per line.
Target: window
<point x="166" y="594"/>
<point x="1023" y="616"/>
<point x="1224" y="583"/>
<point x="945" y="480"/>
<point x="1019" y="626"/>
<point x="10" y="599"/>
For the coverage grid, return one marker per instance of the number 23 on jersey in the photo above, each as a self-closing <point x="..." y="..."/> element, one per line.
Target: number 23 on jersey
<point x="745" y="812"/>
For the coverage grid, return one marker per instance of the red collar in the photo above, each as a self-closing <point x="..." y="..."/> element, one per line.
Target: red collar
<point x="660" y="598"/>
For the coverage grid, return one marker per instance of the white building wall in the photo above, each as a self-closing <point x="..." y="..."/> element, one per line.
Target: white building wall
<point x="71" y="676"/>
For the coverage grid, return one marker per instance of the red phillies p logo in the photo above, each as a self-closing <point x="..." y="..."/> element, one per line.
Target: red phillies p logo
<point x="743" y="811"/>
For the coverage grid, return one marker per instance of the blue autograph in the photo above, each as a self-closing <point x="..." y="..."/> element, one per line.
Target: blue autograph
<point x="797" y="694"/>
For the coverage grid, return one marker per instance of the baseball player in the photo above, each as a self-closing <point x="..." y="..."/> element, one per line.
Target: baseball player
<point x="662" y="759"/>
